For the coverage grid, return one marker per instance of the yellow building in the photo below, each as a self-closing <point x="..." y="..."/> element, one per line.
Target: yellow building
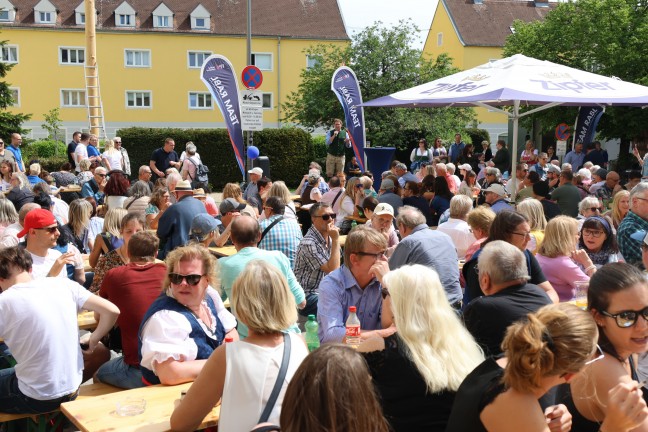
<point x="473" y="32"/>
<point x="149" y="54"/>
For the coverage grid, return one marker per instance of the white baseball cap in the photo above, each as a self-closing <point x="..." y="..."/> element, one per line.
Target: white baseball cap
<point x="383" y="209"/>
<point x="257" y="171"/>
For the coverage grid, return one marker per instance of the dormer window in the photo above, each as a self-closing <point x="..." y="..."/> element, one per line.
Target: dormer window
<point x="200" y="18"/>
<point x="45" y="12"/>
<point x="79" y="14"/>
<point x="7" y="11"/>
<point x="124" y="15"/>
<point x="162" y="17"/>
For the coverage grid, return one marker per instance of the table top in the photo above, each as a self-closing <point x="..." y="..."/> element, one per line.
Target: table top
<point x="223" y="251"/>
<point x="295" y="197"/>
<point x="98" y="413"/>
<point x="358" y="219"/>
<point x="86" y="320"/>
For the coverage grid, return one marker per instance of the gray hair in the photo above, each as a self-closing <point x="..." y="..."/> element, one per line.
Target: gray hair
<point x="503" y="262"/>
<point x="640" y="188"/>
<point x="586" y="203"/>
<point x="140" y="189"/>
<point x="191" y="148"/>
<point x="402" y="166"/>
<point x="451" y="168"/>
<point x="460" y="206"/>
<point x="566" y="167"/>
<point x="23" y="182"/>
<point x="494" y="171"/>
<point x="410" y="216"/>
<point x="101" y="170"/>
<point x="385" y="174"/>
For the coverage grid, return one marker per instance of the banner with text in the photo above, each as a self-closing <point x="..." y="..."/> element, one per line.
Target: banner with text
<point x="586" y="122"/>
<point x="218" y="75"/>
<point x="345" y="86"/>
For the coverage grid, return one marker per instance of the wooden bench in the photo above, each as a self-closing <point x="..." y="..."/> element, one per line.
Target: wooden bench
<point x="41" y="421"/>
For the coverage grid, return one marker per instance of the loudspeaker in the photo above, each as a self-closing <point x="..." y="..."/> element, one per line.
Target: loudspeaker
<point x="264" y="163"/>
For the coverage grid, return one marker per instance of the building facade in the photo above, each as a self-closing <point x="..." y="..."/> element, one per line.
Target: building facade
<point x="149" y="54"/>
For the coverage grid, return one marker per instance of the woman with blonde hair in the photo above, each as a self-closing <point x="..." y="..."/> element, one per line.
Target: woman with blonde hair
<point x="533" y="210"/>
<point x="280" y="190"/>
<point x="243" y="373"/>
<point x="352" y="197"/>
<point x="159" y="202"/>
<point x="418" y="372"/>
<point x="79" y="215"/>
<point x="233" y="190"/>
<point x="110" y="238"/>
<point x="550" y="348"/>
<point x="620" y="208"/>
<point x="561" y="260"/>
<point x="112" y="158"/>
<point x="479" y="219"/>
<point x="86" y="174"/>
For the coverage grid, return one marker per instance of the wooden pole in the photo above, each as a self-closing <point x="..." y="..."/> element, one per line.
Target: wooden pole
<point x="91" y="66"/>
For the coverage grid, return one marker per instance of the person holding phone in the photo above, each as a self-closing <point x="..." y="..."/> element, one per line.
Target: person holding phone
<point x="642" y="161"/>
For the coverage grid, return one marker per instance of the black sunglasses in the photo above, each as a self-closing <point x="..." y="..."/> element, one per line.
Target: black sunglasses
<point x="192" y="279"/>
<point x="625" y="319"/>
<point x="50" y="230"/>
<point x="595" y="209"/>
<point x="327" y="216"/>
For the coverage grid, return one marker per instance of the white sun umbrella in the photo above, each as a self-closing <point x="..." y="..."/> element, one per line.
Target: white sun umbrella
<point x="518" y="81"/>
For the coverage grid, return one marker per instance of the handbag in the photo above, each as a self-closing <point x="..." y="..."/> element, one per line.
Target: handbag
<point x="272" y="400"/>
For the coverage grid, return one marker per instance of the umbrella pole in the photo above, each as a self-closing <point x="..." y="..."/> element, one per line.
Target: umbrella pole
<point x="514" y="149"/>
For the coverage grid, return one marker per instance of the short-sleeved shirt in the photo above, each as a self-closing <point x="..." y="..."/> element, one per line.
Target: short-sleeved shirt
<point x="313" y="252"/>
<point x="8" y="156"/>
<point x="284" y="236"/>
<point x="70" y="151"/>
<point x="93" y="151"/>
<point x="17" y="154"/>
<point x="81" y="153"/>
<point x="162" y="158"/>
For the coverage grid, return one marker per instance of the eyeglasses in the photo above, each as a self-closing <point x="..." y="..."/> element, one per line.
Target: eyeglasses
<point x="192" y="279"/>
<point x="625" y="319"/>
<point x="101" y="175"/>
<point x="600" y="356"/>
<point x="523" y="234"/>
<point x="642" y="199"/>
<point x="1" y="142"/>
<point x="375" y="255"/>
<point x="327" y="216"/>
<point x="593" y="233"/>
<point x="117" y="142"/>
<point x="50" y="230"/>
<point x="594" y="209"/>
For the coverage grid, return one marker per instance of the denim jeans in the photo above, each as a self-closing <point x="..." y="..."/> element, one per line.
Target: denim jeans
<point x="13" y="401"/>
<point x="119" y="374"/>
<point x="311" y="305"/>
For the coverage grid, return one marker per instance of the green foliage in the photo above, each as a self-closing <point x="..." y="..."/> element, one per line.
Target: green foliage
<point x="9" y="122"/>
<point x="43" y="149"/>
<point x="476" y="136"/>
<point x="384" y="62"/>
<point x="52" y="123"/>
<point x="289" y="150"/>
<point x="607" y="37"/>
<point x="319" y="149"/>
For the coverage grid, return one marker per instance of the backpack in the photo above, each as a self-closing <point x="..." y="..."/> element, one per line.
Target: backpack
<point x="202" y="175"/>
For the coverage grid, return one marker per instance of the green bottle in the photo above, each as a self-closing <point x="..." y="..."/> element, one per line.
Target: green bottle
<point x="312" y="338"/>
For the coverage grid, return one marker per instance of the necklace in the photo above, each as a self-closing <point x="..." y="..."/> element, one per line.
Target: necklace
<point x="200" y="321"/>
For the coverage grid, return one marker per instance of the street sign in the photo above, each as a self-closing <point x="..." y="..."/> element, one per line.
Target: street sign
<point x="561" y="148"/>
<point x="252" y="77"/>
<point x="562" y="132"/>
<point x="251" y="110"/>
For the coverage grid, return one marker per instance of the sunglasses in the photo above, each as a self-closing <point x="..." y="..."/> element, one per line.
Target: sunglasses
<point x="625" y="319"/>
<point x="327" y="216"/>
<point x="192" y="279"/>
<point x="595" y="209"/>
<point x="101" y="175"/>
<point x="50" y="230"/>
<point x="600" y="356"/>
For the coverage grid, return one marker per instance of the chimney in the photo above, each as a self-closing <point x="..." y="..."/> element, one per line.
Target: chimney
<point x="541" y="3"/>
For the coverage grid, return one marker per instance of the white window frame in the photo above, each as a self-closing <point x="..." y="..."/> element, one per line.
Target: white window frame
<point x="80" y="18"/>
<point x="142" y="93"/>
<point x="81" y="96"/>
<point x="198" y="94"/>
<point x="17" y="98"/>
<point x="196" y="53"/>
<point x="271" y="100"/>
<point x="159" y="21"/>
<point x="314" y="59"/>
<point x="137" y="66"/>
<point x="51" y="17"/>
<point x="200" y="27"/>
<point x="70" y="49"/>
<point x="9" y="48"/>
<point x="130" y="18"/>
<point x="254" y="54"/>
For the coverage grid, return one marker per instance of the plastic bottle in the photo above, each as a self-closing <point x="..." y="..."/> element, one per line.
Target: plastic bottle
<point x="229" y="339"/>
<point x="312" y="338"/>
<point x="353" y="328"/>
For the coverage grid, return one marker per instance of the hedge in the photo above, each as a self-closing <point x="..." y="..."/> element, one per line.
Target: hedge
<point x="288" y="149"/>
<point x="50" y="154"/>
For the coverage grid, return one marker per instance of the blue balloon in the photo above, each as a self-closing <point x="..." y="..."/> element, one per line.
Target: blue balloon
<point x="252" y="152"/>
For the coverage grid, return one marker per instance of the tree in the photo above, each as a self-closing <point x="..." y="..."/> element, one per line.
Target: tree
<point x="606" y="37"/>
<point x="52" y="123"/>
<point x="9" y="122"/>
<point x="384" y="62"/>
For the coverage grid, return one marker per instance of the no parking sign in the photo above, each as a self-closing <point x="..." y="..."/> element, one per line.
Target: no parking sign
<point x="252" y="77"/>
<point x="562" y="132"/>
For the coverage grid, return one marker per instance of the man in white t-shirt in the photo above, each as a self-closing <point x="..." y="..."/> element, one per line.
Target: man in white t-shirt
<point x="41" y="230"/>
<point x="38" y="322"/>
<point x="81" y="151"/>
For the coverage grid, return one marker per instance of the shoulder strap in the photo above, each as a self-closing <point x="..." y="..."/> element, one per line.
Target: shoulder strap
<point x="265" y="231"/>
<point x="280" y="379"/>
<point x="336" y="197"/>
<point x="130" y="203"/>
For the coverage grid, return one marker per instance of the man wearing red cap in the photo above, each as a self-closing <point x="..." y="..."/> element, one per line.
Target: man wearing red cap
<point x="41" y="230"/>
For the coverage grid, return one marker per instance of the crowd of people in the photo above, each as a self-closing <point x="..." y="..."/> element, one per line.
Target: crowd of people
<point x="464" y="282"/>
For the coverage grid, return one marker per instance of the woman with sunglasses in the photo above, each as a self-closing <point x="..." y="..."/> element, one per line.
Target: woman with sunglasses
<point x="187" y="322"/>
<point x="588" y="207"/>
<point x="618" y="300"/>
<point x="599" y="241"/>
<point x="439" y="150"/>
<point x="244" y="372"/>
<point x="556" y="345"/>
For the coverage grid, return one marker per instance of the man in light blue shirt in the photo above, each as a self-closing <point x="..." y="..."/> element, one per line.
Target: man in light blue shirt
<point x="245" y="234"/>
<point x="576" y="157"/>
<point x="357" y="283"/>
<point x="456" y="149"/>
<point x="14" y="148"/>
